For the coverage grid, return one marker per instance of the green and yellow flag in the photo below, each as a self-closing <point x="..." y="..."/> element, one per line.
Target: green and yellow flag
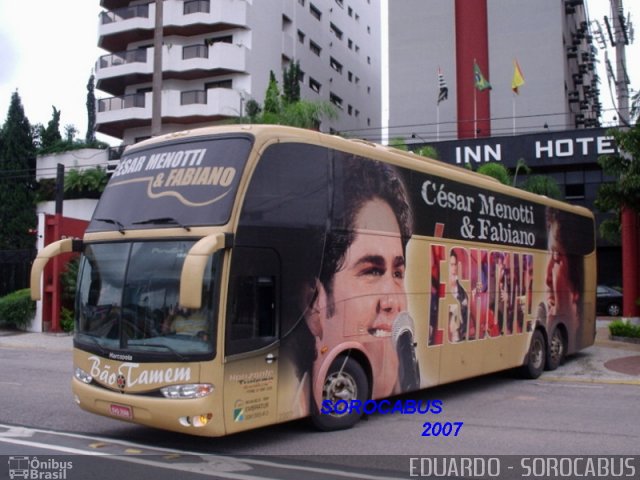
<point x="481" y="83"/>
<point x="518" y="78"/>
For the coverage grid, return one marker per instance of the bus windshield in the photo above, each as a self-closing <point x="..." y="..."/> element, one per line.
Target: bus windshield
<point x="193" y="183"/>
<point x="128" y="301"/>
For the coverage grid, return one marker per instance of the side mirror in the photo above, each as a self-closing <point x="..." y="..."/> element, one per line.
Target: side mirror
<point x="54" y="249"/>
<point x="192" y="274"/>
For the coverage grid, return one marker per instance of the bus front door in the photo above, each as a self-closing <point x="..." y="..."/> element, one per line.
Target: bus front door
<point x="251" y="340"/>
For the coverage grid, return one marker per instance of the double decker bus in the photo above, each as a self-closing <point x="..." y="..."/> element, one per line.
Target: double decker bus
<point x="240" y="276"/>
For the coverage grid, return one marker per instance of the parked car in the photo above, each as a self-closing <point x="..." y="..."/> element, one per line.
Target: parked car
<point x="608" y="301"/>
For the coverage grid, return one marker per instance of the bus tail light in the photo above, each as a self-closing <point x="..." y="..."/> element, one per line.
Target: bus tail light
<point x="191" y="390"/>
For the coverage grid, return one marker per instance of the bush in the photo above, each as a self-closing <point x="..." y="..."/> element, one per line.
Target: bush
<point x="17" y="308"/>
<point x="66" y="319"/>
<point x="618" y="328"/>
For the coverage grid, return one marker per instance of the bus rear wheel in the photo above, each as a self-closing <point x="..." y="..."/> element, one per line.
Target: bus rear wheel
<point x="556" y="351"/>
<point x="345" y="382"/>
<point x="534" y="365"/>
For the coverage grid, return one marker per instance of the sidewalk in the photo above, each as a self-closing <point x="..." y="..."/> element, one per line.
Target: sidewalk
<point x="607" y="361"/>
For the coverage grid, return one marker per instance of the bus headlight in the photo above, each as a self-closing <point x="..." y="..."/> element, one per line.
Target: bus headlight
<point x="83" y="376"/>
<point x="189" y="390"/>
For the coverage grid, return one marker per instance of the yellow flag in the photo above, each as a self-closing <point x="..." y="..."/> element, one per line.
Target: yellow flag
<point x="518" y="78"/>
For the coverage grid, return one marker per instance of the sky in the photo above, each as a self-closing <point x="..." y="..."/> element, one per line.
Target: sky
<point x="48" y="49"/>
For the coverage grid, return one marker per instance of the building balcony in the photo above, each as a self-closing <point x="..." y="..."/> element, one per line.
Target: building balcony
<point x="117" y="114"/>
<point x="198" y="17"/>
<point x="120" y="27"/>
<point x="116" y="71"/>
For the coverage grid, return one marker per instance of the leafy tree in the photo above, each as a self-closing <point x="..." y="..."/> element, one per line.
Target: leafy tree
<point x="428" y="151"/>
<point x="88" y="183"/>
<point x="497" y="171"/>
<point x="306" y="114"/>
<point x="542" y="185"/>
<point x="301" y="113"/>
<point x="635" y="106"/>
<point x="291" y="83"/>
<point x="50" y="136"/>
<point x="272" y="96"/>
<point x="17" y="179"/>
<point x="70" y="132"/>
<point x="253" y="110"/>
<point x="625" y="192"/>
<point x="90" y="137"/>
<point x="398" y="143"/>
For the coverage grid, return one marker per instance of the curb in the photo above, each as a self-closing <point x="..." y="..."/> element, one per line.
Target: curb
<point x="633" y="340"/>
<point x="591" y="381"/>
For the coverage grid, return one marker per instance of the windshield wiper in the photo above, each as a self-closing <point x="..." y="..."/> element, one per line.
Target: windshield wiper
<point x="96" y="342"/>
<point x="113" y="222"/>
<point x="162" y="221"/>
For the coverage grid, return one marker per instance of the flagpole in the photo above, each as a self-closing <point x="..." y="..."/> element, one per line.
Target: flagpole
<point x="513" y="102"/>
<point x="475" y="113"/>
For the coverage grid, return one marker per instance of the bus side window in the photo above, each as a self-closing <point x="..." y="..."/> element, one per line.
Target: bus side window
<point x="252" y="307"/>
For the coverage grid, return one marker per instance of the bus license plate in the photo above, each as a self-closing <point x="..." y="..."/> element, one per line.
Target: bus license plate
<point x="121" y="411"/>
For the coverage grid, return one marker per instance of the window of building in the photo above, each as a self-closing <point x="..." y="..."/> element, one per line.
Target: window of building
<point x="317" y="14"/>
<point x="301" y="36"/>
<point x="574" y="191"/>
<point x="193" y="96"/>
<point x="336" y="100"/>
<point x="350" y="11"/>
<point x="286" y="23"/>
<point x="340" y="3"/>
<point x="314" y="47"/>
<point x="350" y="44"/>
<point x="195" y="51"/>
<point x="350" y="76"/>
<point x="336" y="65"/>
<point x="314" y="85"/>
<point x="195" y="6"/>
<point x="336" y="31"/>
<point x="223" y="39"/>
<point x="219" y="84"/>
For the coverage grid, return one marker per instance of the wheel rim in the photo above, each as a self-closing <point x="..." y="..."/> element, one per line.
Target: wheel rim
<point x="556" y="349"/>
<point x="339" y="386"/>
<point x="537" y="350"/>
<point x="614" y="310"/>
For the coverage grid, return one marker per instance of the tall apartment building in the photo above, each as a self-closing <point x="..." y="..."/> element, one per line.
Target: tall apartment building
<point x="217" y="54"/>
<point x="550" y="40"/>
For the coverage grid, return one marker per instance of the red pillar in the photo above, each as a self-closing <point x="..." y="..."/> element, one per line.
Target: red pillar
<point x="472" y="44"/>
<point x="630" y="262"/>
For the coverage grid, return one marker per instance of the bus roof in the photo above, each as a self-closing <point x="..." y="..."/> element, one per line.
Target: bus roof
<point x="265" y="134"/>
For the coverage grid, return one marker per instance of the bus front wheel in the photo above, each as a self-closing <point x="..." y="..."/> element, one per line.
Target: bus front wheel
<point x="534" y="365"/>
<point x="345" y="383"/>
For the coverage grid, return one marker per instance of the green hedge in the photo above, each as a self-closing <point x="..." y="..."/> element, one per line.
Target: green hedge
<point x="17" y="308"/>
<point x="618" y="328"/>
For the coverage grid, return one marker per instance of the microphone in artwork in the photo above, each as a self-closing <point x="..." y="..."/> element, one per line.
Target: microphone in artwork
<point x="403" y="339"/>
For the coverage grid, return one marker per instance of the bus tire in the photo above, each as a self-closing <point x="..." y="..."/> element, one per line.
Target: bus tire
<point x="346" y="381"/>
<point x="535" y="360"/>
<point x="556" y="350"/>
